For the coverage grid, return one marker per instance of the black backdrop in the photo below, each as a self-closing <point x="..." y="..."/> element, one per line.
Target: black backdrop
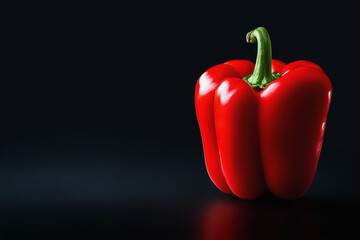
<point x="99" y="137"/>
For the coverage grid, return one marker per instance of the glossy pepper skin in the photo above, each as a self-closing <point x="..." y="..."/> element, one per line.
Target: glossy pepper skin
<point x="264" y="132"/>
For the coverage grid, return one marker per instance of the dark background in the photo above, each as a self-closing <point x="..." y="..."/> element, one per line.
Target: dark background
<point x="99" y="138"/>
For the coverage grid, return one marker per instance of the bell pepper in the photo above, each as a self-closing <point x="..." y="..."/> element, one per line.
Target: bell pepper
<point x="262" y="125"/>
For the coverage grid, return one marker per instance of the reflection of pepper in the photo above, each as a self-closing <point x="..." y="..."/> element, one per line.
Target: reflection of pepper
<point x="228" y="219"/>
<point x="265" y="129"/>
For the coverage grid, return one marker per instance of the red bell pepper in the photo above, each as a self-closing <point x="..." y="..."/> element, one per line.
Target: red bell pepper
<point x="262" y="125"/>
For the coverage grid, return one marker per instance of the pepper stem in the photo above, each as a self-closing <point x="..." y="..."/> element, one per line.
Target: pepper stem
<point x="262" y="74"/>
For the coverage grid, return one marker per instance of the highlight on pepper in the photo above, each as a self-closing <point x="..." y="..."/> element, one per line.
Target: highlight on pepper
<point x="262" y="125"/>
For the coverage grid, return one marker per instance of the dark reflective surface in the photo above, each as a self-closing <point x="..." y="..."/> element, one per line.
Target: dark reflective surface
<point x="71" y="199"/>
<point x="222" y="219"/>
<point x="270" y="218"/>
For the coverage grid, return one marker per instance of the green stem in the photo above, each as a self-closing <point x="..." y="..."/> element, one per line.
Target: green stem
<point x="262" y="74"/>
